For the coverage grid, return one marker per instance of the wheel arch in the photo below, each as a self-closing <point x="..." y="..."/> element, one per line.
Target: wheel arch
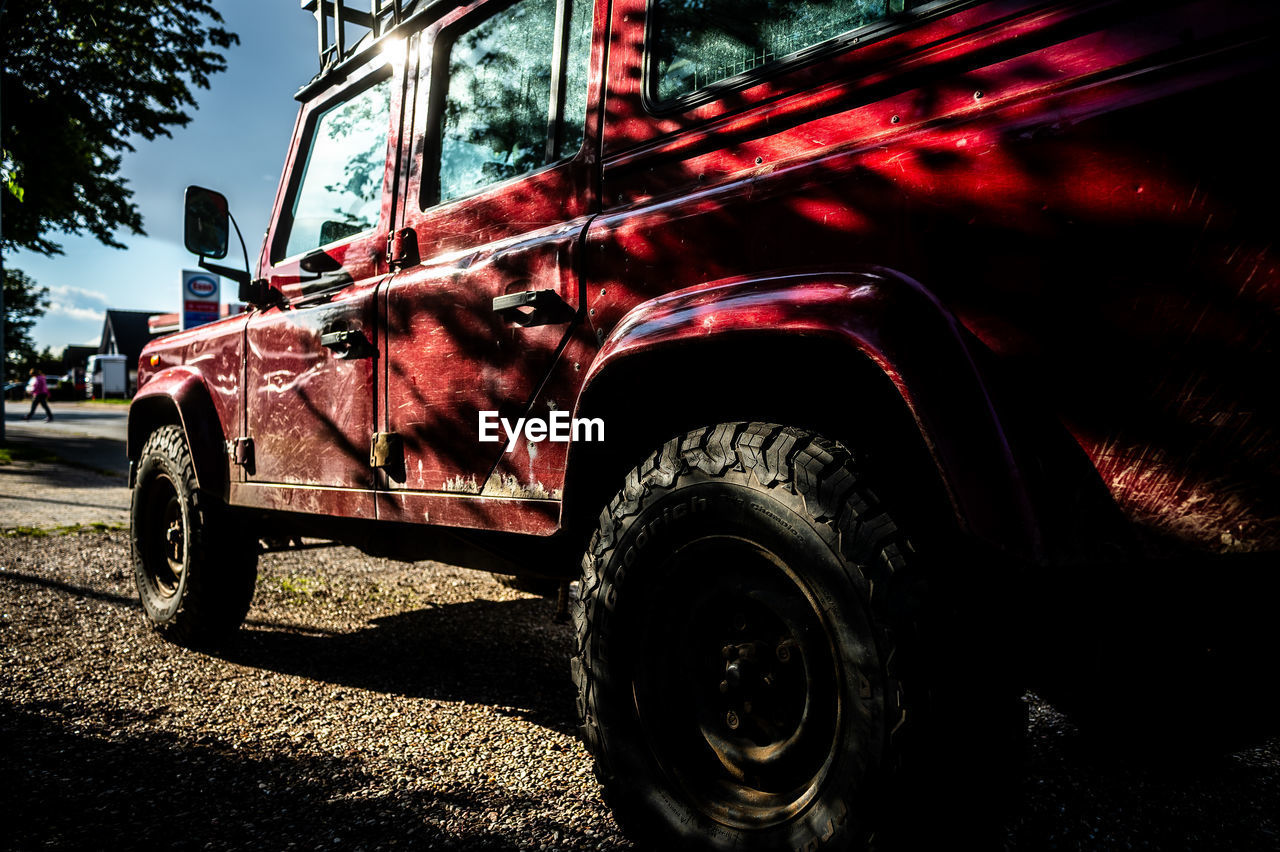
<point x="775" y="349"/>
<point x="178" y="396"/>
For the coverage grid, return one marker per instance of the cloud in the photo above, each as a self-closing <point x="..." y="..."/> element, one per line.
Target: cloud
<point x="76" y="303"/>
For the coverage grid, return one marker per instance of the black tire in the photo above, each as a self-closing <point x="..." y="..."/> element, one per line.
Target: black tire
<point x="195" y="568"/>
<point x="736" y="669"/>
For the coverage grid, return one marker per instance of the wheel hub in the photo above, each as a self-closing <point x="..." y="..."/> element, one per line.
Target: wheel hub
<point x="755" y="686"/>
<point x="165" y="536"/>
<point x="739" y="689"/>
<point x="174" y="539"/>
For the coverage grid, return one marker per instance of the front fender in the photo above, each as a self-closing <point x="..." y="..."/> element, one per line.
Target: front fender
<point x="178" y="395"/>
<point x="897" y="325"/>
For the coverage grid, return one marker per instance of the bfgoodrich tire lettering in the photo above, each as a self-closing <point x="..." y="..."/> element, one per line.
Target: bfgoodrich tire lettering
<point x="194" y="570"/>
<point x="735" y="669"/>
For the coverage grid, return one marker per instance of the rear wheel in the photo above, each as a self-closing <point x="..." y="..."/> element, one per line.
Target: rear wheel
<point x="736" y="668"/>
<point x="195" y="569"/>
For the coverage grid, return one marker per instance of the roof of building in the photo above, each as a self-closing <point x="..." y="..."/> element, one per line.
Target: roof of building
<point x="75" y="356"/>
<point x="125" y="332"/>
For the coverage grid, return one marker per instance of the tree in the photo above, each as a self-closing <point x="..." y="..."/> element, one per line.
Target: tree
<point x="24" y="303"/>
<point x="81" y="79"/>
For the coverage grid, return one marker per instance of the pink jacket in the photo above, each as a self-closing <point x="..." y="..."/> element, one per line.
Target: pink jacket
<point x="39" y="387"/>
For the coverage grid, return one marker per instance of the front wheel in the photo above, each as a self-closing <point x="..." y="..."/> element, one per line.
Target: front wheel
<point x="736" y="669"/>
<point x="195" y="571"/>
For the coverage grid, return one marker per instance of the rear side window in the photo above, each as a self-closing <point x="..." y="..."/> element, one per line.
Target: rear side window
<point x="696" y="43"/>
<point x="340" y="193"/>
<point x="515" y="99"/>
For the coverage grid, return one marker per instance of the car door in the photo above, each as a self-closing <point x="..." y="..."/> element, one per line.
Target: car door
<point x="497" y="198"/>
<point x="310" y="376"/>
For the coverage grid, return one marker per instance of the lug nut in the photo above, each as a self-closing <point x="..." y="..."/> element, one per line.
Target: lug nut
<point x="724" y="686"/>
<point x="731" y="719"/>
<point x="784" y="652"/>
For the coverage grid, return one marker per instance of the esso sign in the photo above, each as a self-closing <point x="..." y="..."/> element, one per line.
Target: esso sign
<point x="200" y="292"/>
<point x="202" y="286"/>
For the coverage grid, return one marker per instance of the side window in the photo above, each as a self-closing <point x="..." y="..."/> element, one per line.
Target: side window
<point x="695" y="43"/>
<point x="515" y="95"/>
<point x="340" y="193"/>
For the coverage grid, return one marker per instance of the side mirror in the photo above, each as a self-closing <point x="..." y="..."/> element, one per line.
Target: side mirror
<point x="205" y="227"/>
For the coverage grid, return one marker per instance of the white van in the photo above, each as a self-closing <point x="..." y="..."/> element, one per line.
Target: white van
<point x="106" y="375"/>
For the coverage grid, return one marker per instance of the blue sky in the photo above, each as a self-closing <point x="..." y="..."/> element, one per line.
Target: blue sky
<point x="236" y="143"/>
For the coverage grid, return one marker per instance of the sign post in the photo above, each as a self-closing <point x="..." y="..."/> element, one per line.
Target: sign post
<point x="200" y="292"/>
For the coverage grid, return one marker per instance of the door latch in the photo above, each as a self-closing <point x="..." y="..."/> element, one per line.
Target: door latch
<point x="348" y="344"/>
<point x="533" y="307"/>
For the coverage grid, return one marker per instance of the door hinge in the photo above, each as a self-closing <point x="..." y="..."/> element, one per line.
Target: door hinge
<point x="242" y="453"/>
<point x="386" y="450"/>
<point x="402" y="248"/>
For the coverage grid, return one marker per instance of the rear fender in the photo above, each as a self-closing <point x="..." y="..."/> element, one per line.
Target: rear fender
<point x="179" y="395"/>
<point x="895" y="324"/>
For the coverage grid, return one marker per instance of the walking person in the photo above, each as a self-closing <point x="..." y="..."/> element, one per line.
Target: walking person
<point x="39" y="395"/>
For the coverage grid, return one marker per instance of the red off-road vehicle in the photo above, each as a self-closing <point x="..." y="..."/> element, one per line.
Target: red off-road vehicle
<point x="840" y="336"/>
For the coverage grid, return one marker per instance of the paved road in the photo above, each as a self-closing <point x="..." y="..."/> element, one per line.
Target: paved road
<point x="87" y="433"/>
<point x="92" y="490"/>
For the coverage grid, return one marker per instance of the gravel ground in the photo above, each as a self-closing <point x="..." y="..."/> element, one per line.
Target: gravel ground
<point x="369" y="704"/>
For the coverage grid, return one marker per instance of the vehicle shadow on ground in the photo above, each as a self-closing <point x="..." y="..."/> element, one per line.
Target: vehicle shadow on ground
<point x="506" y="654"/>
<point x="93" y="775"/>
<point x="1080" y="792"/>
<point x="81" y="776"/>
<point x="101" y="456"/>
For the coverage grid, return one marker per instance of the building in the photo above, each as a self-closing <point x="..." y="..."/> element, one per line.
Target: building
<point x="125" y="333"/>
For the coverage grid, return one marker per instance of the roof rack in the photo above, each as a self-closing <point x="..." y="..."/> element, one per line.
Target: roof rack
<point x="334" y="16"/>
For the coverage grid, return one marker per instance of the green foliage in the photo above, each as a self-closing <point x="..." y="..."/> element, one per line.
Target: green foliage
<point x="24" y="303"/>
<point x="24" y="531"/>
<point x="9" y="453"/>
<point x="81" y="80"/>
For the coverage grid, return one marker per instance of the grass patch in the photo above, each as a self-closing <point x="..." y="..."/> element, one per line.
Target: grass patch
<point x="9" y="453"/>
<point x="112" y="401"/>
<point x="66" y="529"/>
<point x="296" y="585"/>
<point x="300" y="589"/>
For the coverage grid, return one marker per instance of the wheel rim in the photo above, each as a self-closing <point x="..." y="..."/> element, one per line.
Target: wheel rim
<point x="737" y="687"/>
<point x="166" y="535"/>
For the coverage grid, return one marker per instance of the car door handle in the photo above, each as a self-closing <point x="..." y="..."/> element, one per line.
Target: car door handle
<point x="533" y="307"/>
<point x="347" y="344"/>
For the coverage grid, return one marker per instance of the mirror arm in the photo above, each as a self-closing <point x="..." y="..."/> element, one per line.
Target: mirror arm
<point x="256" y="293"/>
<point x="240" y="276"/>
<point x="248" y="274"/>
